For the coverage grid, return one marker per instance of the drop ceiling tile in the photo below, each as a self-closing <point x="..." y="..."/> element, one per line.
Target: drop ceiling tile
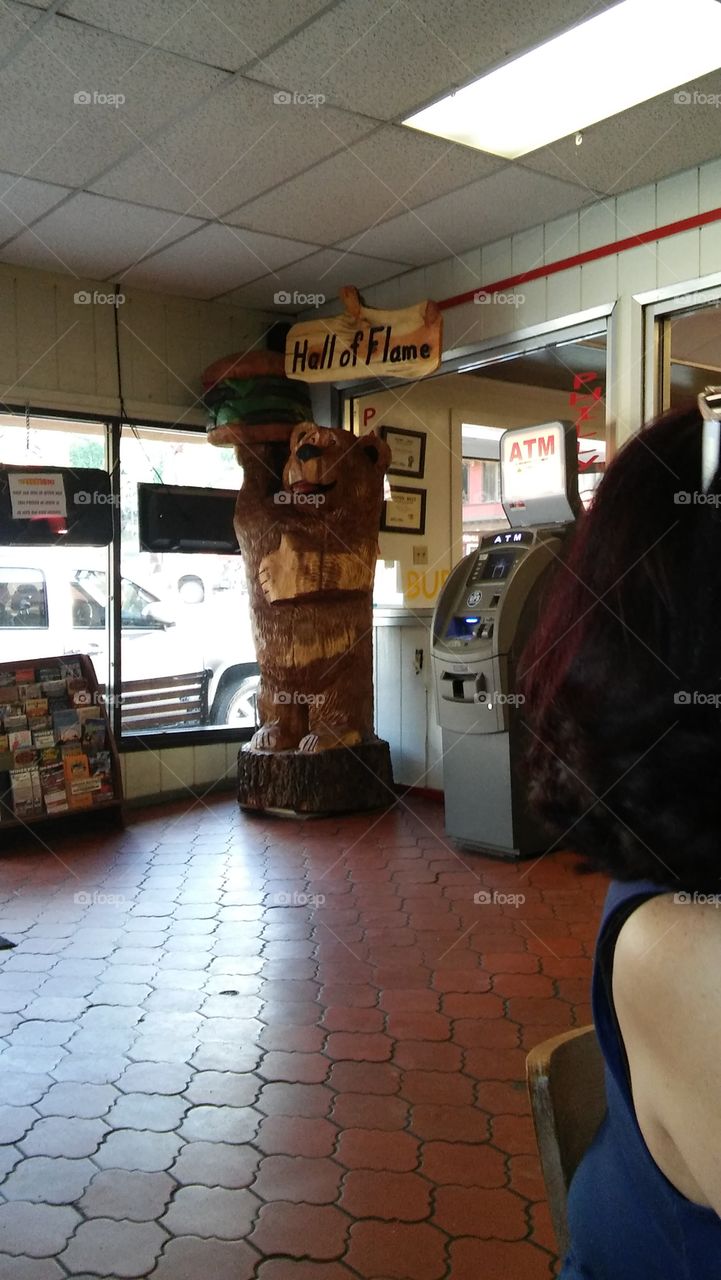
<point x="487" y="210"/>
<point x="322" y="275"/>
<point x="641" y="145"/>
<point x="371" y="180"/>
<point x="235" y="145"/>
<point x="224" y="33"/>
<point x="385" y="59"/>
<point x="22" y="201"/>
<point x="45" y="131"/>
<point x="90" y="236"/>
<point x="215" y="259"/>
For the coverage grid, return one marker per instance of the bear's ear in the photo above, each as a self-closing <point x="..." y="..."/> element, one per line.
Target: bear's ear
<point x="376" y="450"/>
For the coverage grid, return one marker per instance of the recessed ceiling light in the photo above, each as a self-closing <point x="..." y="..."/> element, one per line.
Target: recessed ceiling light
<point x="626" y="55"/>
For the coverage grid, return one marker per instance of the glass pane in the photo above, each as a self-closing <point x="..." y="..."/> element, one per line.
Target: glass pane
<point x="693" y="345"/>
<point x="47" y="603"/>
<point x="183" y="614"/>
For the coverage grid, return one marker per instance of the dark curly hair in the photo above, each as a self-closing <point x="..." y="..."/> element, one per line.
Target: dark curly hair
<point x="622" y="676"/>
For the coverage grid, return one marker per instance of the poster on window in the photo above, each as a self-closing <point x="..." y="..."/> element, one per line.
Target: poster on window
<point x="36" y="495"/>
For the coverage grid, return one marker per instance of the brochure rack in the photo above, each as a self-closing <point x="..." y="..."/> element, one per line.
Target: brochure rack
<point x="58" y="756"/>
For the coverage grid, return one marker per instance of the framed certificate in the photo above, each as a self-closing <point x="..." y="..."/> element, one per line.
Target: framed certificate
<point x="405" y="512"/>
<point x="408" y="451"/>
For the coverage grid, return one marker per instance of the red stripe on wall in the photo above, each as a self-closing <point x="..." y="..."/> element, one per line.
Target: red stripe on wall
<point x="590" y="255"/>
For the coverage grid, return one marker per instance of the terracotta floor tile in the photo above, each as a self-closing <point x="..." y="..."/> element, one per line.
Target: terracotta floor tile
<point x="419" y="1026"/>
<point x="219" y="1213"/>
<point x="317" y="1091"/>
<point x="534" y="1009"/>
<point x="409" y="1000"/>
<point x="338" y="1018"/>
<point x="525" y="1176"/>
<point x="463" y="1164"/>
<point x="296" y="1135"/>
<point x="377" y="1149"/>
<point x="428" y="1056"/>
<point x="495" y="1033"/>
<point x="285" y="1269"/>
<point x="313" y="1181"/>
<point x="396" y="1251"/>
<point x="301" y="1230"/>
<point x="280" y="1099"/>
<point x="347" y="995"/>
<point x="400" y="1197"/>
<point x="358" y="1047"/>
<point x="449" y="1124"/>
<point x="498" y="1260"/>
<point x="479" y="1211"/>
<point x="513" y="1134"/>
<point x="495" y="1064"/>
<point x="366" y="1077"/>
<point x="296" y="1068"/>
<point x="308" y="1039"/>
<point x="437" y="1088"/>
<point x="369" y="1111"/>
<point x="188" y="1258"/>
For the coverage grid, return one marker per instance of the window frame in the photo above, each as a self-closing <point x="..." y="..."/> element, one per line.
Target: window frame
<point x="112" y="427"/>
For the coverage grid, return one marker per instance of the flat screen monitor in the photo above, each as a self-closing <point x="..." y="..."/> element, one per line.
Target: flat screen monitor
<point x="55" y="506"/>
<point x="174" y="517"/>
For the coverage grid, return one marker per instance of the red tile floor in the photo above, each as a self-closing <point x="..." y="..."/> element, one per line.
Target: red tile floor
<point x="238" y="1047"/>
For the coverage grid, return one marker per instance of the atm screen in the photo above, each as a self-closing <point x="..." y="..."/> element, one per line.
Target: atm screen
<point x="462" y="626"/>
<point x="498" y="565"/>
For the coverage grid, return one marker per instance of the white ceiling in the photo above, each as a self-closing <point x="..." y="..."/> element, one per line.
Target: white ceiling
<point x="201" y="183"/>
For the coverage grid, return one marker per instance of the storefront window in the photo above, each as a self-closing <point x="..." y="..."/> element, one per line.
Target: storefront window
<point x="47" y="604"/>
<point x="187" y="661"/>
<point x="185" y="616"/>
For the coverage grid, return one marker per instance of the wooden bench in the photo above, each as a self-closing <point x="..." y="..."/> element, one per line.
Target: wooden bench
<point x="164" y="702"/>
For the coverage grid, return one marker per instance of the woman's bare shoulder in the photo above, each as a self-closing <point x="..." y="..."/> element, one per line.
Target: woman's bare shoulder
<point x="673" y="935"/>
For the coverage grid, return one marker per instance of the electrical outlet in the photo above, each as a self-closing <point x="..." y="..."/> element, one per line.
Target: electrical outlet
<point x="420" y="554"/>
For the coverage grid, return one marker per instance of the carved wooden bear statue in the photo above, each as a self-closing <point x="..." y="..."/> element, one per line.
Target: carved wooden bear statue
<point x="310" y="550"/>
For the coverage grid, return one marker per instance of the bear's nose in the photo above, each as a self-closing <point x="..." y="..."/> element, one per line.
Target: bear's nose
<point x="308" y="451"/>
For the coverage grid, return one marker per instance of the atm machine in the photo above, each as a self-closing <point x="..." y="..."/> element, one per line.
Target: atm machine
<point x="481" y="623"/>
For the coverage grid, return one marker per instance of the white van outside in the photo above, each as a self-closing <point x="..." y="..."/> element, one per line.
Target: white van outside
<point x="53" y="600"/>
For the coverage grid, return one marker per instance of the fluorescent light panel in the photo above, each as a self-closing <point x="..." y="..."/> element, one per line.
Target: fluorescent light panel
<point x="626" y="55"/>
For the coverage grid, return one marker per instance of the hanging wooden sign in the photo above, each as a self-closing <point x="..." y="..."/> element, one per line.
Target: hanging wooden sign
<point x="365" y="341"/>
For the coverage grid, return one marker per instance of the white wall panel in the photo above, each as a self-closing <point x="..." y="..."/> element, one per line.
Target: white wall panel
<point x="710" y="248"/>
<point x="635" y="212"/>
<point x="679" y="258"/>
<point x="637" y="269"/>
<point x="597" y="225"/>
<point x="677" y="197"/>
<point x="598" y="282"/>
<point x="709" y="186"/>
<point x="496" y="261"/>
<point x="561" y="238"/>
<point x="563" y="293"/>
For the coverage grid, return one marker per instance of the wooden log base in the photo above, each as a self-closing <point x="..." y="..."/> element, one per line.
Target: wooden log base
<point x="299" y="784"/>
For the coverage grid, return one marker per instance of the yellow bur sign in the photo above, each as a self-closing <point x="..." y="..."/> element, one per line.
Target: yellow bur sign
<point x="364" y="341"/>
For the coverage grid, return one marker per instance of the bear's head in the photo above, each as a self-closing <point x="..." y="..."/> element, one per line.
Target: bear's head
<point x="334" y="469"/>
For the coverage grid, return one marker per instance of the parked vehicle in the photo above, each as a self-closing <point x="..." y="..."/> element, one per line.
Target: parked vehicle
<point x="54" y="601"/>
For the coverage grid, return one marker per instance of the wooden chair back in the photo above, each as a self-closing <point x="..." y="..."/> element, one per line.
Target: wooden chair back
<point x="568" y="1101"/>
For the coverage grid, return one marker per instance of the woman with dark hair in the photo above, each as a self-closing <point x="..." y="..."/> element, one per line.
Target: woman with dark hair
<point x="623" y="705"/>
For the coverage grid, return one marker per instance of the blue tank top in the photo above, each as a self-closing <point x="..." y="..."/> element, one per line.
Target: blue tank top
<point x="626" y="1220"/>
